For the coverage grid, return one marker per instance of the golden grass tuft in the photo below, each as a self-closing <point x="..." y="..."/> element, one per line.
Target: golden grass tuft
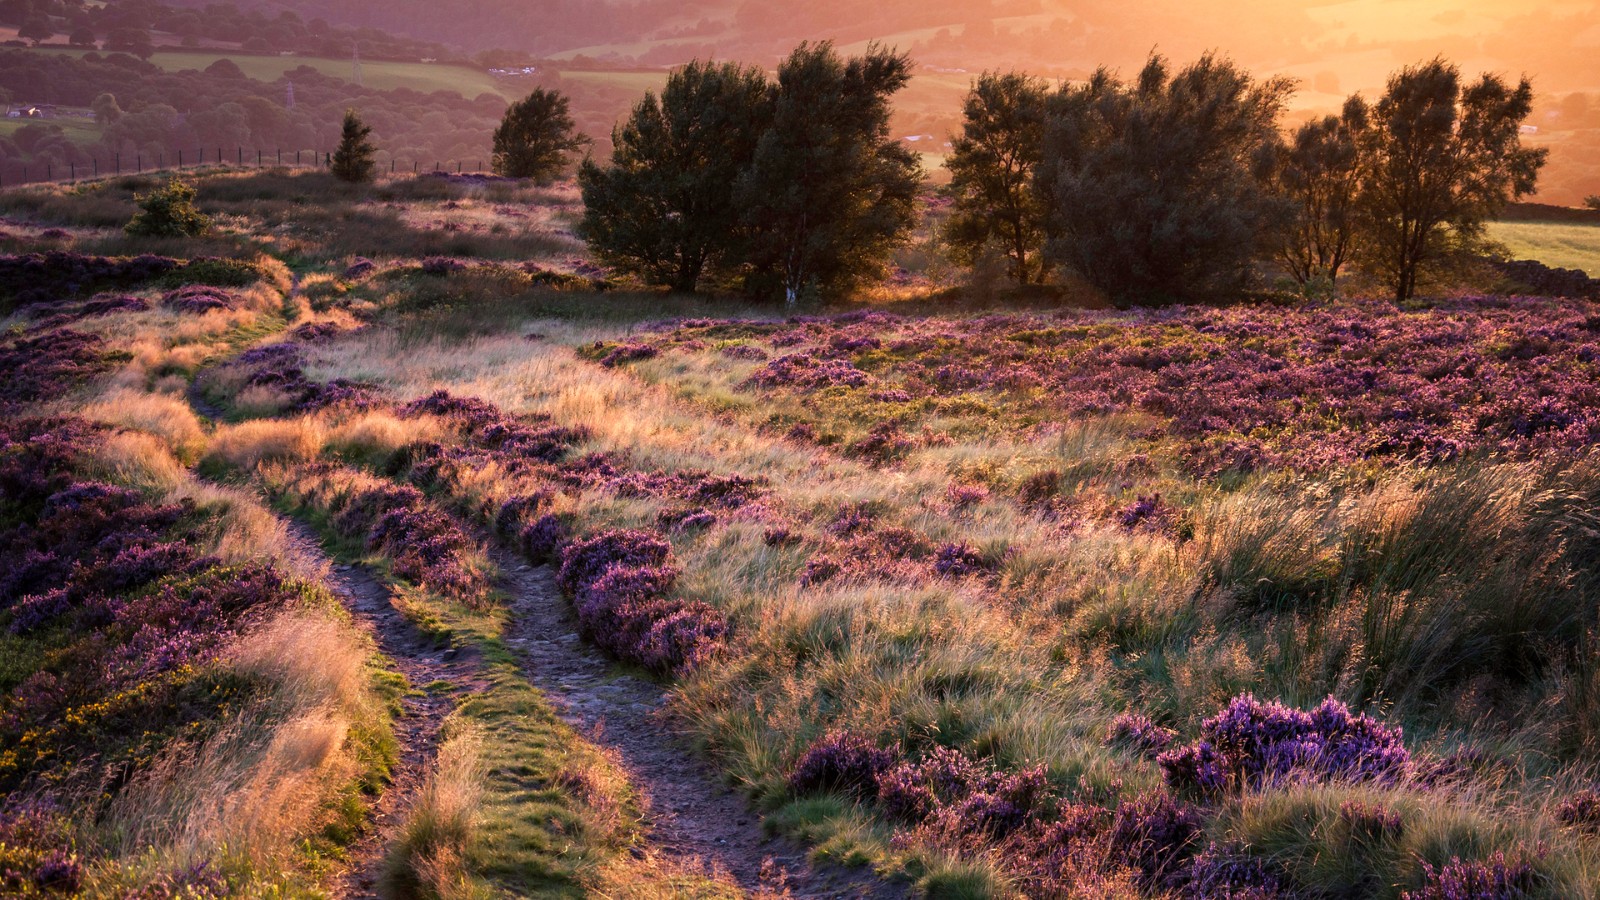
<point x="427" y="858"/>
<point x="164" y="416"/>
<point x="249" y="444"/>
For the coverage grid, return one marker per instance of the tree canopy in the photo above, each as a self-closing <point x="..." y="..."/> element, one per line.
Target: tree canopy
<point x="665" y="208"/>
<point x="535" y="137"/>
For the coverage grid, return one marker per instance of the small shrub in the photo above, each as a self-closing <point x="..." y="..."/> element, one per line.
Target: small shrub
<point x="841" y="761"/>
<point x="169" y="212"/>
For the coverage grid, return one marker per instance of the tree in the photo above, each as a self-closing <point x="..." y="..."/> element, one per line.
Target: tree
<point x="352" y="161"/>
<point x="106" y="110"/>
<point x="666" y="207"/>
<point x="992" y="167"/>
<point x="829" y="194"/>
<point x="82" y="36"/>
<point x="169" y="212"/>
<point x="36" y="28"/>
<point x="1440" y="161"/>
<point x="1157" y="190"/>
<point x="1319" y="175"/>
<point x="130" y="40"/>
<point x="1592" y="201"/>
<point x="535" y="136"/>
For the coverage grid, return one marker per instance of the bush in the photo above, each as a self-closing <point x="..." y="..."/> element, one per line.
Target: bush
<point x="169" y="212"/>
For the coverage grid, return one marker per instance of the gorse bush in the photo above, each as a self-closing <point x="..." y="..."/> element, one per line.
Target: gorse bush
<point x="169" y="211"/>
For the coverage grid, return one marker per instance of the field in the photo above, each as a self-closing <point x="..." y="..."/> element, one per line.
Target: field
<point x="965" y="595"/>
<point x="1564" y="246"/>
<point x="379" y="74"/>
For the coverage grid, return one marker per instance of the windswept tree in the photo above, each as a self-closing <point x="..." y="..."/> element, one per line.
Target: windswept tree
<point x="1157" y="190"/>
<point x="352" y="161"/>
<point x="665" y="208"/>
<point x="536" y="136"/>
<point x="992" y="167"/>
<point x="1319" y="175"/>
<point x="829" y="194"/>
<point x="1441" y="160"/>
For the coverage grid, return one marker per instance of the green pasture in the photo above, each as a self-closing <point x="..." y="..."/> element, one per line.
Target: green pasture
<point x="1554" y="244"/>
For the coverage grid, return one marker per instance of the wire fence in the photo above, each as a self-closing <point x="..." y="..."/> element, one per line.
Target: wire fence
<point x="15" y="174"/>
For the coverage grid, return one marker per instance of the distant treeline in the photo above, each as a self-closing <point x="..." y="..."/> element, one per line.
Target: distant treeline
<point x="144" y="110"/>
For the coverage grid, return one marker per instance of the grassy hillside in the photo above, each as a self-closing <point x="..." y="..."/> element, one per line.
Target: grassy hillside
<point x="1564" y="246"/>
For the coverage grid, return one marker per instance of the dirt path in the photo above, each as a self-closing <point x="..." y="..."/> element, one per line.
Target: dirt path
<point x="422" y="712"/>
<point x="692" y="814"/>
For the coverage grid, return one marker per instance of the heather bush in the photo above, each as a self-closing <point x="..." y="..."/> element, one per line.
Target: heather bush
<point x="841" y="761"/>
<point x="620" y="582"/>
<point x="1490" y="879"/>
<point x="45" y="279"/>
<point x="1139" y="733"/>
<point x="32" y="369"/>
<point x="1252" y="744"/>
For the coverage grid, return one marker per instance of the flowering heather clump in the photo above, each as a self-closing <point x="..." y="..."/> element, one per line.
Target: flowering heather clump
<point x="965" y="496"/>
<point x="1491" y="879"/>
<point x="1251" y="744"/>
<point x="514" y="511"/>
<point x="316" y="332"/>
<point x="488" y="428"/>
<point x="686" y="519"/>
<point x="627" y="352"/>
<point x="620" y="582"/>
<point x="803" y="370"/>
<point x="841" y="761"/>
<point x="884" y="442"/>
<point x="1140" y="734"/>
<point x="1146" y="514"/>
<point x="32" y="369"/>
<point x="199" y="299"/>
<point x="1581" y="810"/>
<point x="37" y="278"/>
<point x="1370" y="820"/>
<point x="1220" y="874"/>
<point x="424" y="544"/>
<point x="583" y="562"/>
<point x="959" y="560"/>
<point x="471" y="411"/>
<point x="278" y="366"/>
<point x="36" y="850"/>
<point x="916" y="791"/>
<point x="1154" y="833"/>
<point x="543" y="539"/>
<point x="744" y="351"/>
<point x="441" y="265"/>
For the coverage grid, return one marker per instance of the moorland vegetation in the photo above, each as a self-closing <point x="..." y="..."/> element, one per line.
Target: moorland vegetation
<point x="974" y="592"/>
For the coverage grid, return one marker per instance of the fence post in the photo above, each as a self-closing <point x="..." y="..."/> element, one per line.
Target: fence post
<point x="138" y="162"/>
<point x="96" y="167"/>
<point x="413" y="167"/>
<point x="49" y="171"/>
<point x="74" y="169"/>
<point x="280" y="156"/>
<point x="119" y="162"/>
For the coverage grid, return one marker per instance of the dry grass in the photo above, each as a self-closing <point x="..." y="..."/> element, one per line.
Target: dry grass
<point x="264" y="780"/>
<point x="247" y="445"/>
<point x="166" y="417"/>
<point x="427" y="858"/>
